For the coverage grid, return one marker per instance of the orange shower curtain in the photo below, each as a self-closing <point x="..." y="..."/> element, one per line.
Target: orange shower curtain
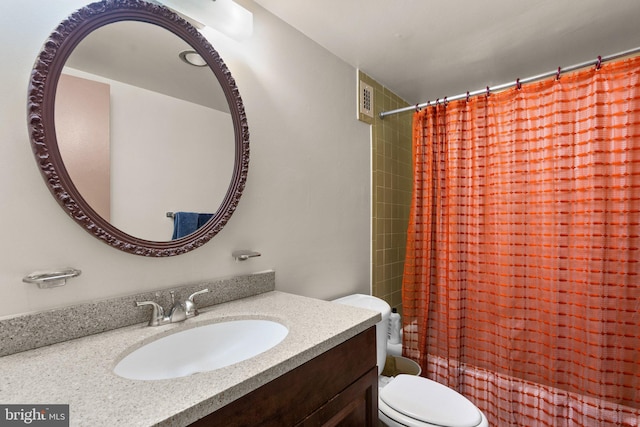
<point x="521" y="287"/>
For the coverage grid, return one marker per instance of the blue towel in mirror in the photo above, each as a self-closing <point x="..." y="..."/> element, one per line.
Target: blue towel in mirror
<point x="203" y="218"/>
<point x="185" y="223"/>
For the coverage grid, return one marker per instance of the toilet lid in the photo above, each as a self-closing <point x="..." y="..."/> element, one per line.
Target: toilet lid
<point x="431" y="402"/>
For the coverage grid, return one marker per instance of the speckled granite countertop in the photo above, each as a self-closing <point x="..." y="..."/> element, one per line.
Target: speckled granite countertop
<point x="80" y="372"/>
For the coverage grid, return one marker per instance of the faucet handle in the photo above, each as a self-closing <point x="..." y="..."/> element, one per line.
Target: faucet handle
<point x="157" y="315"/>
<point x="204" y="291"/>
<point x="190" y="306"/>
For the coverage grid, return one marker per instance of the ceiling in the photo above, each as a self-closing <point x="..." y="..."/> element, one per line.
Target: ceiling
<point x="427" y="49"/>
<point x="147" y="56"/>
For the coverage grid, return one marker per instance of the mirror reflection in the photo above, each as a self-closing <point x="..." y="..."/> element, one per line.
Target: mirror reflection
<point x="142" y="133"/>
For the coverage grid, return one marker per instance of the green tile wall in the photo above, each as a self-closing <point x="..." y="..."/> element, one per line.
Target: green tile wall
<point x="391" y="186"/>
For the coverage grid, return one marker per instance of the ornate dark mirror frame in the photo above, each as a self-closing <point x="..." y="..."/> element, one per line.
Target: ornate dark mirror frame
<point x="42" y="92"/>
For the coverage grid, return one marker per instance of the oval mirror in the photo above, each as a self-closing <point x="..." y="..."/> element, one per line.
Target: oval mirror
<point x="127" y="133"/>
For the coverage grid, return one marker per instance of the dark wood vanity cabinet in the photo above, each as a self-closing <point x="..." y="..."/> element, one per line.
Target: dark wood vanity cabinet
<point x="337" y="388"/>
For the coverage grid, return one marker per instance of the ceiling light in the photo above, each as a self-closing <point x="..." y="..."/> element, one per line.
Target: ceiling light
<point x="225" y="16"/>
<point x="192" y="57"/>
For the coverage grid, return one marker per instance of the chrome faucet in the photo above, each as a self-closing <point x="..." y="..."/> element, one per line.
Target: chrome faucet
<point x="180" y="311"/>
<point x="177" y="312"/>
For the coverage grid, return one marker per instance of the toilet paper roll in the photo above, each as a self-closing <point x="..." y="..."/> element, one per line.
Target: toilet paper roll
<point x="394" y="349"/>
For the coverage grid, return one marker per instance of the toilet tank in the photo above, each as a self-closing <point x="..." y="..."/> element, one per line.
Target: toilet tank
<point x="382" y="328"/>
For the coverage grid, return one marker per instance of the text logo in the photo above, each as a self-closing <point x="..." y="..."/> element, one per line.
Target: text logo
<point x="34" y="415"/>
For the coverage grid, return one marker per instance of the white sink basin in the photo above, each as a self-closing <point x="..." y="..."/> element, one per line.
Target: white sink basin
<point x="200" y="349"/>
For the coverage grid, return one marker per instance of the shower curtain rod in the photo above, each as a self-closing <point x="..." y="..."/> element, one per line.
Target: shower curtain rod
<point x="518" y="82"/>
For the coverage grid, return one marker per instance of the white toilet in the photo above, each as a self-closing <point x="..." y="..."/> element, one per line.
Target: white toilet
<point x="412" y="401"/>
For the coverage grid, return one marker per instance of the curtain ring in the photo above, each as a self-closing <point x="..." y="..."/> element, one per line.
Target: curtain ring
<point x="558" y="73"/>
<point x="467" y="96"/>
<point x="417" y="108"/>
<point x="488" y="91"/>
<point x="518" y="84"/>
<point x="437" y="101"/>
<point x="599" y="63"/>
<point x="444" y="101"/>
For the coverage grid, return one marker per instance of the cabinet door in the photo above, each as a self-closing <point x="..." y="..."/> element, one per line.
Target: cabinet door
<point x="357" y="405"/>
<point x="339" y="381"/>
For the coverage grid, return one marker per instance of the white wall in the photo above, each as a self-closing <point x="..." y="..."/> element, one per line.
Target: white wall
<point x="168" y="166"/>
<point x="306" y="206"/>
<point x="165" y="154"/>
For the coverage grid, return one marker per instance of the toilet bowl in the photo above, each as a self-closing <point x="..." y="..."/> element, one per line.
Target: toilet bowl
<point x="413" y="401"/>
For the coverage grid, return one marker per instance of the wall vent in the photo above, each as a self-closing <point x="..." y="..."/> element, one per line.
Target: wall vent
<point x="366" y="99"/>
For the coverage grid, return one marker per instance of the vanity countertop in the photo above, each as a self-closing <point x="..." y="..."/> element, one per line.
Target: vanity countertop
<point x="80" y="372"/>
